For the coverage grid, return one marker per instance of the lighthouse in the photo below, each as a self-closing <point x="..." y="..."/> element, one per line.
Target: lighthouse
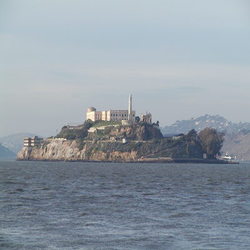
<point x="130" y="113"/>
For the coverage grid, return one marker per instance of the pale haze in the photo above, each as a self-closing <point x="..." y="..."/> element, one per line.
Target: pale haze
<point x="178" y="58"/>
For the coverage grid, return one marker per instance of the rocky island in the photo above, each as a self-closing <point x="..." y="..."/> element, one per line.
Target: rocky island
<point x="112" y="141"/>
<point x="120" y="136"/>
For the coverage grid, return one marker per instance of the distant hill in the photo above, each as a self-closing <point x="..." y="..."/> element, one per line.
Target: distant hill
<point x="238" y="145"/>
<point x="213" y="121"/>
<point x="5" y="153"/>
<point x="14" y="142"/>
<point x="237" y="135"/>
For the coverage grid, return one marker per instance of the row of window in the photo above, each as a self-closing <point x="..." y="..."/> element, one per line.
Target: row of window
<point x="123" y="115"/>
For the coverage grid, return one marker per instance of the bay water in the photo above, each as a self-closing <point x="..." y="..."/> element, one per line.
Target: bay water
<point x="85" y="205"/>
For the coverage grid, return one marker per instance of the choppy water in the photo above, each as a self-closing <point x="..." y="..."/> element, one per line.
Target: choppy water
<point x="60" y="205"/>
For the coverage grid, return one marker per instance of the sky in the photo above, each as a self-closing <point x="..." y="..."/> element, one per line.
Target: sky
<point x="178" y="58"/>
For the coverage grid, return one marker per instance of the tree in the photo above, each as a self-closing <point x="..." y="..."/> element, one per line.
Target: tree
<point x="192" y="135"/>
<point x="75" y="132"/>
<point x="211" y="142"/>
<point x="137" y="119"/>
<point x="88" y="124"/>
<point x="193" y="145"/>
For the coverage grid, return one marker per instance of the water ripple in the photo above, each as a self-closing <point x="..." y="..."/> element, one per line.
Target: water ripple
<point x="62" y="205"/>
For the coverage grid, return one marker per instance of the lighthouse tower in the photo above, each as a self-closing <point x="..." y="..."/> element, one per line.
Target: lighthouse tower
<point x="130" y="114"/>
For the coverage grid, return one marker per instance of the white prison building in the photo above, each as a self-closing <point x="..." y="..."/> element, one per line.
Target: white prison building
<point x="112" y="115"/>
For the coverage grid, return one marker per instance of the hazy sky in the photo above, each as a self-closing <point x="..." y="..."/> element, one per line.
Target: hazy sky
<point x="179" y="59"/>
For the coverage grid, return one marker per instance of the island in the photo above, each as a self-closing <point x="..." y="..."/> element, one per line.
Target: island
<point x="121" y="136"/>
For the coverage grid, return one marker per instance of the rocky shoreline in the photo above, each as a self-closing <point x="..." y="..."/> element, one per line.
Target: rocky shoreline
<point x="152" y="160"/>
<point x="69" y="151"/>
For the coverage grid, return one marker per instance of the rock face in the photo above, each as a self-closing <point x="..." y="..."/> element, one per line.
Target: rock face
<point x="104" y="150"/>
<point x="106" y="131"/>
<point x="72" y="150"/>
<point x="139" y="132"/>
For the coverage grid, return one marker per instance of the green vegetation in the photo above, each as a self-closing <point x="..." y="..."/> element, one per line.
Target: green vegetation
<point x="77" y="132"/>
<point x="97" y="124"/>
<point x="109" y="130"/>
<point x="71" y="134"/>
<point x="146" y="139"/>
<point x="183" y="147"/>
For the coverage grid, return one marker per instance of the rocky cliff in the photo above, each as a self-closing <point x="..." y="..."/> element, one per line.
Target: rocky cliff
<point x="120" y="143"/>
<point x="101" y="150"/>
